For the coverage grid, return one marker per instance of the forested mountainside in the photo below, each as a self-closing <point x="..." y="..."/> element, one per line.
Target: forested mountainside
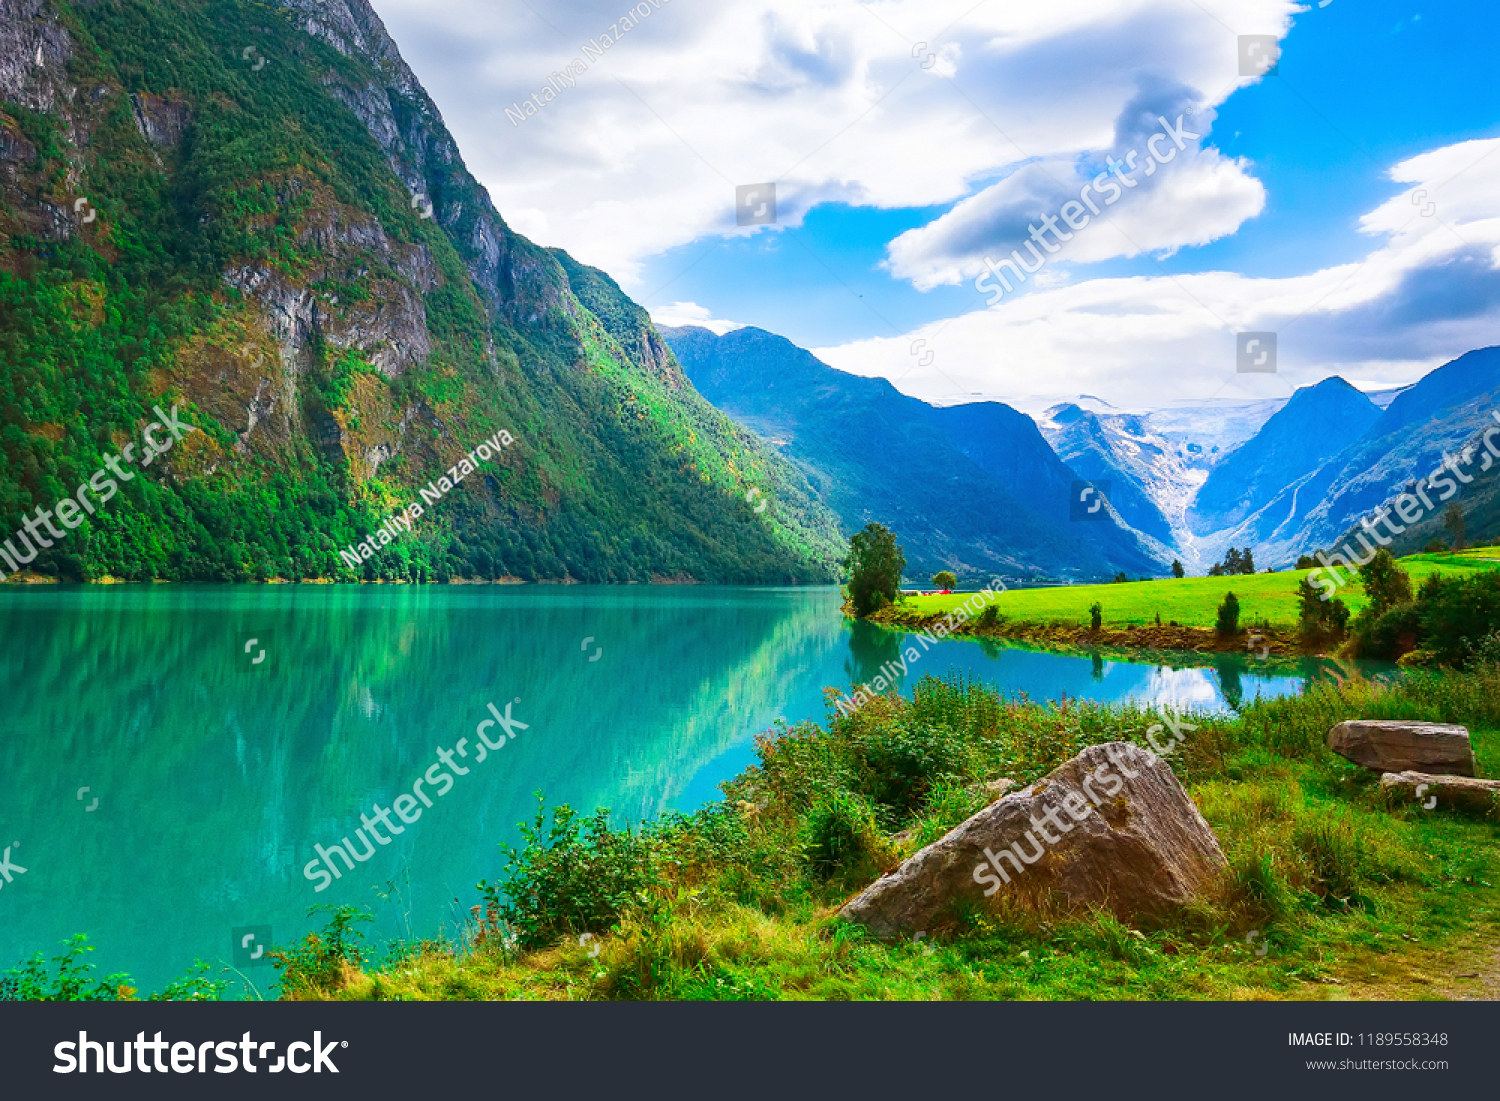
<point x="975" y="489"/>
<point x="255" y="212"/>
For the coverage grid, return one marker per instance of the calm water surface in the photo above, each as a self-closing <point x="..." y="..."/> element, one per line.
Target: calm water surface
<point x="218" y="764"/>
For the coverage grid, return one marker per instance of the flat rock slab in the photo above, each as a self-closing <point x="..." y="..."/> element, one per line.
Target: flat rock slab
<point x="1393" y="745"/>
<point x="1110" y="828"/>
<point x="1443" y="792"/>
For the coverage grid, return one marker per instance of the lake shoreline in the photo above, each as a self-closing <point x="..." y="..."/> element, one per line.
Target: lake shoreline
<point x="1259" y="643"/>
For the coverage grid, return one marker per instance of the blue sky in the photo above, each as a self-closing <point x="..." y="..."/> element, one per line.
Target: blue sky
<point x="898" y="177"/>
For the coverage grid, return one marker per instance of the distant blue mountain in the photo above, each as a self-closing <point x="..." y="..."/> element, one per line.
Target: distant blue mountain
<point x="971" y="488"/>
<point x="1318" y="423"/>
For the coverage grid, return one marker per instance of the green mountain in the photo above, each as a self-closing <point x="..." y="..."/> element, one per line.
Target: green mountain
<point x="973" y="488"/>
<point x="255" y="212"/>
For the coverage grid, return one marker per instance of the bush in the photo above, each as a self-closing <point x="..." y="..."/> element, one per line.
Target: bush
<point x="578" y="876"/>
<point x="1229" y="616"/>
<point x="1395" y="632"/>
<point x="899" y="764"/>
<point x="73" y="980"/>
<point x="841" y="842"/>
<point x="989" y="617"/>
<point x="1320" y="619"/>
<point x="319" y="964"/>
<point x="1096" y="616"/>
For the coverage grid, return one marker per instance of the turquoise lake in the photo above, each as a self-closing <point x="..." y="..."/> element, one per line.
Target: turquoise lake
<point x="219" y="764"/>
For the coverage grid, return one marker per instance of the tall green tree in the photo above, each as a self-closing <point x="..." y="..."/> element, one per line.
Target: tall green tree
<point x="1386" y="584"/>
<point x="1177" y="570"/>
<point x="875" y="565"/>
<point x="1453" y="519"/>
<point x="944" y="579"/>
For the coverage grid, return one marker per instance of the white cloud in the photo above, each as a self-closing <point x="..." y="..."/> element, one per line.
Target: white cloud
<point x="690" y="313"/>
<point x="1429" y="291"/>
<point x="830" y="99"/>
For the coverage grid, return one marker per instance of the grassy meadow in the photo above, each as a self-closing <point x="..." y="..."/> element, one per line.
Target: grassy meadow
<point x="1269" y="598"/>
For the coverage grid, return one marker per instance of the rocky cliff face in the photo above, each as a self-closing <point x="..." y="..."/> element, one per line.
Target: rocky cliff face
<point x="265" y="212"/>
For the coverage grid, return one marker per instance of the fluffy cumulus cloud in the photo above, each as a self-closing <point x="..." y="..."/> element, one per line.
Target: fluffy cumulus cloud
<point x="1429" y="285"/>
<point x="890" y="104"/>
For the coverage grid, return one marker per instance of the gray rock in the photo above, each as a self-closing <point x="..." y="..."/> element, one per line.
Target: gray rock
<point x="1443" y="792"/>
<point x="1390" y="745"/>
<point x="1111" y="828"/>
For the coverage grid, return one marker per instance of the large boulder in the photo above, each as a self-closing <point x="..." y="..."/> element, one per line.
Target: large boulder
<point x="1111" y="828"/>
<point x="1394" y="745"/>
<point x="1443" y="792"/>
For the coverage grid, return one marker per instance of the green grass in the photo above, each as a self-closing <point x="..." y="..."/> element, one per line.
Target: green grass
<point x="1190" y="601"/>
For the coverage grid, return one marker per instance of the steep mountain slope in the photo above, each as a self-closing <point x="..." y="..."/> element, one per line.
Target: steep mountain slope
<point x="255" y="211"/>
<point x="973" y="489"/>
<point x="1444" y="414"/>
<point x="1151" y="483"/>
<point x="1316" y="424"/>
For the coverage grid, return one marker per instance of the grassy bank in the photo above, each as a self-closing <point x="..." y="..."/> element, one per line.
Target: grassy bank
<point x="1347" y="896"/>
<point x="1186" y="607"/>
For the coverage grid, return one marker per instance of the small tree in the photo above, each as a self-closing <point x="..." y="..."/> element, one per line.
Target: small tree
<point x="1453" y="519"/>
<point x="944" y="579"/>
<point x="1386" y="584"/>
<point x="1320" y="618"/>
<point x="1229" y="615"/>
<point x="1177" y="570"/>
<point x="1096" y="615"/>
<point x="875" y="564"/>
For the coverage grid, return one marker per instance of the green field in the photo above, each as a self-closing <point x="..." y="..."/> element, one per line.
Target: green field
<point x="1191" y="601"/>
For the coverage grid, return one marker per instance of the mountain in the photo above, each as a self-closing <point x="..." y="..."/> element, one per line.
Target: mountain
<point x="1315" y="425"/>
<point x="256" y="212"/>
<point x="972" y="488"/>
<point x="1150" y="481"/>
<point x="1446" y="413"/>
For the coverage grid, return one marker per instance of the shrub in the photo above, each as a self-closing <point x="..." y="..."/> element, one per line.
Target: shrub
<point x="899" y="764"/>
<point x="840" y="840"/>
<point x="1319" y="618"/>
<point x="1096" y="615"/>
<point x="73" y="980"/>
<point x="576" y="876"/>
<point x="989" y="617"/>
<point x="1229" y="615"/>
<point x="318" y="965"/>
<point x="1458" y="613"/>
